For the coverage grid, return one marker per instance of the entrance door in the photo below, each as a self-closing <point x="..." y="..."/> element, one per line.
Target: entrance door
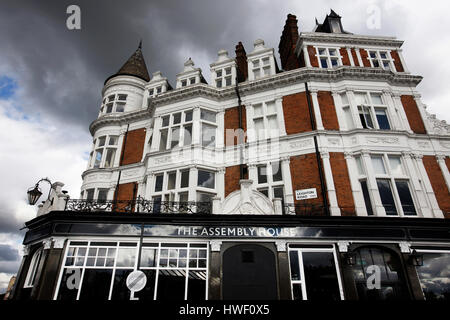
<point x="249" y="273"/>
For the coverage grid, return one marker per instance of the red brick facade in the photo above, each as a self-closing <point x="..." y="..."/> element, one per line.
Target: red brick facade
<point x="305" y="175"/>
<point x="438" y="183"/>
<point x="397" y="62"/>
<point x="413" y="114"/>
<point x="296" y="113"/>
<point x="312" y="56"/>
<point x="232" y="178"/>
<point x="232" y="122"/>
<point x="345" y="58"/>
<point x="126" y="191"/>
<point x="328" y="110"/>
<point x="342" y="184"/>
<point x="133" y="147"/>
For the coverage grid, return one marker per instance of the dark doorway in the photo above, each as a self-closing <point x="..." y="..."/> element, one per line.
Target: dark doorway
<point x="249" y="273"/>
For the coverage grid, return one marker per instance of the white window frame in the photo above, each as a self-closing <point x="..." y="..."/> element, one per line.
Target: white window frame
<point x="302" y="281"/>
<point x="392" y="177"/>
<point x="207" y="122"/>
<point x="138" y="247"/>
<point x="224" y="76"/>
<point x="116" y="101"/>
<point x="261" y="67"/>
<point x="104" y="149"/>
<point x="327" y="55"/>
<point x="369" y="107"/>
<point x="267" y="132"/>
<point x="181" y="125"/>
<point x="33" y="268"/>
<point x="96" y="192"/>
<point x="172" y="194"/>
<point x="379" y="59"/>
<point x="270" y="185"/>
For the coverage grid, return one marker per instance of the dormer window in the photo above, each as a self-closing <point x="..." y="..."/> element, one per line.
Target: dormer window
<point x="114" y="103"/>
<point x="261" y="67"/>
<point x="192" y="81"/>
<point x="223" y="77"/>
<point x="183" y="83"/>
<point x="328" y="57"/>
<point x="154" y="91"/>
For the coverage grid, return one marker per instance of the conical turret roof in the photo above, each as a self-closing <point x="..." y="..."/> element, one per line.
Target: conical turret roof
<point x="135" y="66"/>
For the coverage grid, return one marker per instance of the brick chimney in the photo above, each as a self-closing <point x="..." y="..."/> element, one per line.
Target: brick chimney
<point x="241" y="62"/>
<point x="288" y="41"/>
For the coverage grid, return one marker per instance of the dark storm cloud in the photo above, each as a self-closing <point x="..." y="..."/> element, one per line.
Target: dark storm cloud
<point x="62" y="71"/>
<point x="8" y="253"/>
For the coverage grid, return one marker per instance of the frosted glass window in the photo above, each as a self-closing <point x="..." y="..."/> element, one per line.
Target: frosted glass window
<point x="359" y="165"/>
<point x="378" y="165"/>
<point x="259" y="127"/>
<point x="257" y="110"/>
<point x="395" y="165"/>
<point x="361" y="98"/>
<point x="171" y="180"/>
<point x="348" y="118"/>
<point x="271" y="108"/>
<point x="208" y="115"/>
<point x="376" y="99"/>
<point x="208" y="135"/>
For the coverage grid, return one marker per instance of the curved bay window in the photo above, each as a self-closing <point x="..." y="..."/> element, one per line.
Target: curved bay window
<point x="378" y="275"/>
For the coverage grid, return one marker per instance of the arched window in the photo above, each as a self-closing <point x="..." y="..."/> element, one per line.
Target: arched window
<point x="32" y="270"/>
<point x="378" y="274"/>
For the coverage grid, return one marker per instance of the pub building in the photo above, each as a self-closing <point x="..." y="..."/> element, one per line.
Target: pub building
<point x="324" y="179"/>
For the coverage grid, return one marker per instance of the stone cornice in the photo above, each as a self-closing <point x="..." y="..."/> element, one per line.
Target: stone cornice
<point x="348" y="39"/>
<point x="119" y="119"/>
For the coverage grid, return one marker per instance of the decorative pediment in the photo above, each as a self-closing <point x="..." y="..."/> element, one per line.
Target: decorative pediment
<point x="249" y="202"/>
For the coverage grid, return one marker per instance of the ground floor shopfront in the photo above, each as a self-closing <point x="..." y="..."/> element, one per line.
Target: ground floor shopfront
<point x="89" y="256"/>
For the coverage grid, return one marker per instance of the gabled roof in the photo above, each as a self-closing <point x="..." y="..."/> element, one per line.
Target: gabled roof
<point x="135" y="66"/>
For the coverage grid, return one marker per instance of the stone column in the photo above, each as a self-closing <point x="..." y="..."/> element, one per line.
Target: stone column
<point x="149" y="185"/>
<point x="196" y="130"/>
<point x="358" y="55"/>
<point x="437" y="212"/>
<point x="354" y="108"/>
<point x="358" y="197"/>
<point x="350" y="56"/>
<point x="193" y="179"/>
<point x="306" y="55"/>
<point x="399" y="106"/>
<point x="221" y="183"/>
<point x="280" y="117"/>
<point x="317" y="114"/>
<point x="284" y="279"/>
<point x="332" y="198"/>
<point x="339" y="112"/>
<point x="417" y="187"/>
<point x="156" y="134"/>
<point x="372" y="184"/>
<point x="286" y="173"/>
<point x="253" y="174"/>
<point x="220" y="142"/>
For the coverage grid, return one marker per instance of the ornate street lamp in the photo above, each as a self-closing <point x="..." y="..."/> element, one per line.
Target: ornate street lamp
<point x="34" y="193"/>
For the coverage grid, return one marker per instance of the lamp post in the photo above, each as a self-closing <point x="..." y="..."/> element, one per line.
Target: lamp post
<point x="34" y="193"/>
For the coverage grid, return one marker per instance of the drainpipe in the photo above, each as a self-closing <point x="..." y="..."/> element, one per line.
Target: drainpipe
<point x="316" y="146"/>
<point x="121" y="159"/>
<point x="241" y="133"/>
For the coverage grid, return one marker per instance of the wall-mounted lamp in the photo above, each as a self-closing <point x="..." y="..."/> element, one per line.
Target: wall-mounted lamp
<point x="34" y="193"/>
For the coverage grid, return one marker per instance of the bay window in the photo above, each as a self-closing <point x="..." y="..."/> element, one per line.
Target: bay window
<point x="176" y="130"/>
<point x="105" y="148"/>
<point x="208" y="120"/>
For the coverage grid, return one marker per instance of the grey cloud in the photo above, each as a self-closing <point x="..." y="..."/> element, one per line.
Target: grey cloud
<point x="8" y="253"/>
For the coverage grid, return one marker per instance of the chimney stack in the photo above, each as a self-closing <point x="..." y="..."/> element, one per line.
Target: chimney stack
<point x="288" y="41"/>
<point x="241" y="62"/>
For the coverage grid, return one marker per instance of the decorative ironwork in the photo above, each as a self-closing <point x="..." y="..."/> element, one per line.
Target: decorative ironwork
<point x="139" y="205"/>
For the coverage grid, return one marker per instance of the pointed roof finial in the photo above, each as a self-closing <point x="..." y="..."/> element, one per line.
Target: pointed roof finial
<point x="317" y="22"/>
<point x="140" y="44"/>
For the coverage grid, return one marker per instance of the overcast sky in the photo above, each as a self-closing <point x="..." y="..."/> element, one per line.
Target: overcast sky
<point x="51" y="77"/>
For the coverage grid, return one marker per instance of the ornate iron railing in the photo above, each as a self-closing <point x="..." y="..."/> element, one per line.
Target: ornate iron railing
<point x="139" y="205"/>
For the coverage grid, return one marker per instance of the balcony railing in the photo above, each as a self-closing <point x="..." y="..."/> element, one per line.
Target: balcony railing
<point x="142" y="205"/>
<point x="139" y="205"/>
